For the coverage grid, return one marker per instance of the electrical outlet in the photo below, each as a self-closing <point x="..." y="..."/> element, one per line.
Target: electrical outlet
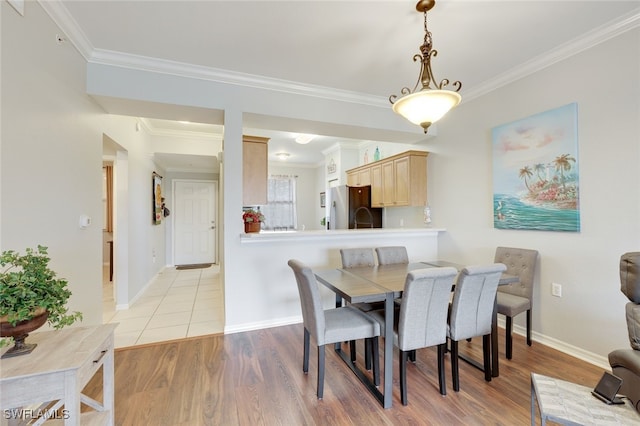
<point x="556" y="289"/>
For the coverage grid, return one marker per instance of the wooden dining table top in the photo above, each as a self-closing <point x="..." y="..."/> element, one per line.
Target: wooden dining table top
<point x="368" y="283"/>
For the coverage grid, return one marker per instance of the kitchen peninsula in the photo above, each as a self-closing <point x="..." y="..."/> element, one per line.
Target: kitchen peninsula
<point x="264" y="285"/>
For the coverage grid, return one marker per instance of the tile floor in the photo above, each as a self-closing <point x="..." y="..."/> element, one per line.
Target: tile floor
<point x="176" y="305"/>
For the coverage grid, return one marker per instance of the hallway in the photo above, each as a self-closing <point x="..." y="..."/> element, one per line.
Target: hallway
<point x="176" y="305"/>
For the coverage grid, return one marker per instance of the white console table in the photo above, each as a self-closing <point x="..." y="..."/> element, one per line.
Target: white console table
<point x="56" y="372"/>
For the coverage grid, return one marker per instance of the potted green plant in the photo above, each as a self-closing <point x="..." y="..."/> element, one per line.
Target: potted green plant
<point x="252" y="220"/>
<point x="30" y="295"/>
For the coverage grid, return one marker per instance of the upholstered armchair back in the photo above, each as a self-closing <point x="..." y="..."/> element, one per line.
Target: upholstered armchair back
<point x="630" y="287"/>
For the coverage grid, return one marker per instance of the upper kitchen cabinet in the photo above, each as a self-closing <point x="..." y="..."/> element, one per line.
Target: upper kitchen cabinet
<point x="397" y="181"/>
<point x="360" y="177"/>
<point x="254" y="170"/>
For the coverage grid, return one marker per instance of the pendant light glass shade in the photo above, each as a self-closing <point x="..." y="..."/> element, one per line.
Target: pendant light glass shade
<point x="426" y="106"/>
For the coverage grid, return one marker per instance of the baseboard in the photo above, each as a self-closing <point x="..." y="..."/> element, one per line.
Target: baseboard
<point x="262" y="325"/>
<point x="590" y="357"/>
<point x="138" y="295"/>
<point x="561" y="346"/>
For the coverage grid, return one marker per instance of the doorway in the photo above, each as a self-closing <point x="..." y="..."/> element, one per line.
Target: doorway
<point x="195" y="222"/>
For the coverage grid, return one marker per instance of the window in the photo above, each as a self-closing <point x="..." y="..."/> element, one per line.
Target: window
<point x="280" y="210"/>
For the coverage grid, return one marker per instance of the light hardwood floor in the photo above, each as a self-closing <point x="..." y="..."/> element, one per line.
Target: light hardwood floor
<point x="256" y="378"/>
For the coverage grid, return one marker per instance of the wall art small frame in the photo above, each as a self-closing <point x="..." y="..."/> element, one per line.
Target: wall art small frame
<point x="535" y="172"/>
<point x="323" y="199"/>
<point x="156" y="197"/>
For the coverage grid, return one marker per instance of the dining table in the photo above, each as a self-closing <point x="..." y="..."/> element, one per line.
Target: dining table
<point x="386" y="283"/>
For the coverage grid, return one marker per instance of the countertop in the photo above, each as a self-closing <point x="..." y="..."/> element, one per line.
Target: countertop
<point x="270" y="236"/>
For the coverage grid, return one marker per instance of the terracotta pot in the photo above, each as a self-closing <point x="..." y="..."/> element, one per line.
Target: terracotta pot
<point x="251" y="227"/>
<point x="20" y="331"/>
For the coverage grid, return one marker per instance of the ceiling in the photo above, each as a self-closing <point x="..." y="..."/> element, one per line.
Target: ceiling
<point x="359" y="46"/>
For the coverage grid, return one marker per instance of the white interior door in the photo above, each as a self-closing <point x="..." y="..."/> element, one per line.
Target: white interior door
<point x="195" y="222"/>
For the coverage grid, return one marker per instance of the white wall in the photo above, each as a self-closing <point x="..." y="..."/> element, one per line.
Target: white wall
<point x="51" y="170"/>
<point x="51" y="155"/>
<point x="604" y="83"/>
<point x="52" y="144"/>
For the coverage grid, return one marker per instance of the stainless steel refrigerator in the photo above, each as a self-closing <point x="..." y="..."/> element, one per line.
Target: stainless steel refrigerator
<point x="350" y="208"/>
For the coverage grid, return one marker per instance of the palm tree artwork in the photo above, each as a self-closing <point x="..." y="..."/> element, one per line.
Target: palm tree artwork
<point x="535" y="172"/>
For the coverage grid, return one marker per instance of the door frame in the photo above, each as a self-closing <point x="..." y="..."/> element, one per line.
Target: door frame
<point x="215" y="215"/>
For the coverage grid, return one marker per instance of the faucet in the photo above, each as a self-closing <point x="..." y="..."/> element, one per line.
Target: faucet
<point x="355" y="217"/>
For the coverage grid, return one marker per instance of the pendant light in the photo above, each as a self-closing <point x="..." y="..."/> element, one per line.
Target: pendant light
<point x="428" y="104"/>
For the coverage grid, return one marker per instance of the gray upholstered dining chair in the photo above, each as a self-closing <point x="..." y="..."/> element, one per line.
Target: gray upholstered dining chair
<point x="421" y="319"/>
<point x="472" y="312"/>
<point x="352" y="258"/>
<point x="392" y="255"/>
<point x="331" y="325"/>
<point x="515" y="298"/>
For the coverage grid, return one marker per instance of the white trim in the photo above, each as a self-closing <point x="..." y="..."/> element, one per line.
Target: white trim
<point x="138" y="295"/>
<point x="18" y="5"/>
<point x="61" y="16"/>
<point x="592" y="38"/>
<point x="63" y="19"/>
<point x="574" y="351"/>
<point x="154" y="131"/>
<point x="262" y="325"/>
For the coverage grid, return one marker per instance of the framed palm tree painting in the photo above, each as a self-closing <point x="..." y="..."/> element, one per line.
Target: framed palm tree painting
<point x="535" y="172"/>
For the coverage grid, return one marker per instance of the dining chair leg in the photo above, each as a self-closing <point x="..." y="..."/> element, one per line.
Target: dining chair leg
<point x="320" y="371"/>
<point x="508" y="338"/>
<point x="454" y="366"/>
<point x="373" y="343"/>
<point x="403" y="375"/>
<point x="486" y="356"/>
<point x="412" y="355"/>
<point x="529" y="327"/>
<point x="441" y="376"/>
<point x="305" y="356"/>
<point x="367" y="354"/>
<point x="352" y="347"/>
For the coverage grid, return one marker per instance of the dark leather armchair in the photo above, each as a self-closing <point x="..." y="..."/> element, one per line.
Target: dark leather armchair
<point x="625" y="363"/>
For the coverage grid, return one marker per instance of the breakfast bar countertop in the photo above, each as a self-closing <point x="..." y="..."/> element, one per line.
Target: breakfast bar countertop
<point x="271" y="236"/>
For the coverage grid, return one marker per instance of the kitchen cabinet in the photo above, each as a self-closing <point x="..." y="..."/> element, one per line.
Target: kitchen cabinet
<point x="397" y="181"/>
<point x="359" y="177"/>
<point x="376" y="186"/>
<point x="254" y="170"/>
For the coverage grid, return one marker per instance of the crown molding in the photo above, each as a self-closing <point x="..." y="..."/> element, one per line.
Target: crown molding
<point x="191" y="170"/>
<point x="61" y="16"/>
<point x="281" y="164"/>
<point x="588" y="40"/>
<point x="181" y="69"/>
<point x="154" y="131"/>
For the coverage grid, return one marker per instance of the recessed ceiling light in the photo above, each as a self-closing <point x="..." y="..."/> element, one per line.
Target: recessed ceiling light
<point x="282" y="155"/>
<point x="304" y="139"/>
